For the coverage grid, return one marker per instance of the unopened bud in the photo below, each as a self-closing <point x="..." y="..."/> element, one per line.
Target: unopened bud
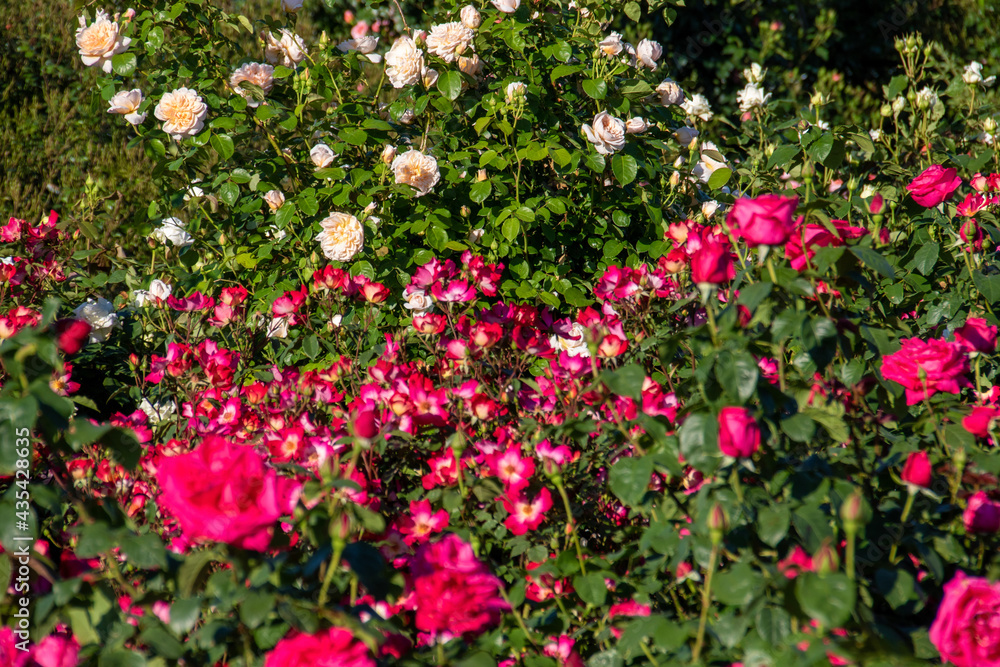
<point x="470" y="17"/>
<point x="852" y="513"/>
<point x="826" y="560"/>
<point x="465" y="211"/>
<point x="274" y="199"/>
<point x="481" y="175"/>
<point x="389" y="154"/>
<point x="675" y="179"/>
<point x="989" y="125"/>
<point x="958" y="459"/>
<point x="718" y="523"/>
<point x="886" y="110"/>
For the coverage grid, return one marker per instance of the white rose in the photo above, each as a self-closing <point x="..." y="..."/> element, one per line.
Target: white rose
<point x="289" y="51"/>
<point x="404" y="63"/>
<point x="755" y="73"/>
<point x="417" y="170"/>
<point x="607" y="133"/>
<point x="157" y="412"/>
<point x="388" y="154"/>
<point x="973" y="73"/>
<point x="100" y="42"/>
<point x="636" y="125"/>
<point x="363" y="45"/>
<point x="449" y="40"/>
<point x="322" y="156"/>
<point x="101" y="317"/>
<point x="926" y="98"/>
<point x="515" y="91"/>
<point x="278" y="328"/>
<point x="336" y="321"/>
<point x="172" y="231"/>
<point x="752" y="97"/>
<point x="612" y="44"/>
<point x="709" y="208"/>
<point x="274" y="199"/>
<point x="506" y="6"/>
<point x="342" y="236"/>
<point x="670" y="93"/>
<point x="648" y="52"/>
<point x="576" y="345"/>
<point x="126" y="103"/>
<point x="430" y="77"/>
<point x="275" y="233"/>
<point x="419" y="302"/>
<point x="193" y="190"/>
<point x="291" y="6"/>
<point x="471" y="65"/>
<point x="698" y="106"/>
<point x="259" y="74"/>
<point x="685" y="135"/>
<point x="158" y="290"/>
<point x="707" y="164"/>
<point x="470" y="17"/>
<point x="183" y="113"/>
<point x="476" y="234"/>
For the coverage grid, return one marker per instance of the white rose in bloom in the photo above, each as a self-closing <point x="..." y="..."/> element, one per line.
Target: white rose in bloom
<point x="698" y="106"/>
<point x="612" y="45"/>
<point x="867" y="190"/>
<point x="289" y="51"/>
<point x="973" y="73"/>
<point x="172" y="231"/>
<point x="157" y="412"/>
<point x="506" y="6"/>
<point x="101" y="317"/>
<point x="471" y="65"/>
<point x="470" y="17"/>
<point x="291" y="6"/>
<point x="274" y="199"/>
<point x="363" y="45"/>
<point x="278" y="328"/>
<point x="709" y="208"/>
<point x="636" y="125"/>
<point x="126" y="103"/>
<point x="670" y="92"/>
<point x="607" y="133"/>
<point x="875" y="134"/>
<point x="515" y="90"/>
<point x="575" y="348"/>
<point x="751" y="97"/>
<point x="706" y="164"/>
<point x="322" y="156"/>
<point x="898" y="104"/>
<point x="404" y="63"/>
<point x="100" y="41"/>
<point x="685" y="135"/>
<point x="648" y="52"/>
<point x="183" y="113"/>
<point x="449" y="40"/>
<point x="275" y="233"/>
<point x="417" y="170"/>
<point x="755" y="73"/>
<point x="157" y="290"/>
<point x="255" y="73"/>
<point x="419" y="302"/>
<point x="336" y="321"/>
<point x="342" y="237"/>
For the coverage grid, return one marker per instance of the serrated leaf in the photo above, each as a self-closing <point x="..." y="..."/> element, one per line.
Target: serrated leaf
<point x="829" y="599"/>
<point x="629" y="478"/>
<point x="480" y="191"/>
<point x="123" y="64"/>
<point x="595" y="88"/>
<point x="591" y="588"/>
<point x="925" y="258"/>
<point x="988" y="286"/>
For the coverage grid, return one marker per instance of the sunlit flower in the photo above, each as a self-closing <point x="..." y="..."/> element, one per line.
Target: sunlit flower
<point x="101" y="317"/>
<point x="342" y="236"/>
<point x="670" y="92"/>
<point x="612" y="45"/>
<point x="99" y="42"/>
<point x="506" y="6"/>
<point x="404" y="63"/>
<point x="183" y="113"/>
<point x="256" y="73"/>
<point x="607" y="133"/>
<point x="698" y="107"/>
<point x="515" y="90"/>
<point x="648" y="52"/>
<point x="172" y="231"/>
<point x="289" y="51"/>
<point x="752" y="97"/>
<point x="754" y="74"/>
<point x="126" y="103"/>
<point x="417" y="170"/>
<point x="322" y="156"/>
<point x="274" y="199"/>
<point x="449" y="40"/>
<point x="470" y="17"/>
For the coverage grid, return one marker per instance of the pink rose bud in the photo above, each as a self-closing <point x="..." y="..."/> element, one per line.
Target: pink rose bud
<point x="360" y="30"/>
<point x="979" y="182"/>
<point x="977" y="336"/>
<point x="348" y="17"/>
<point x="366" y="425"/>
<point x="766" y="220"/>
<point x="917" y="470"/>
<point x="934" y="185"/>
<point x="876" y="205"/>
<point x="982" y="515"/>
<point x="739" y="433"/>
<point x="825" y="560"/>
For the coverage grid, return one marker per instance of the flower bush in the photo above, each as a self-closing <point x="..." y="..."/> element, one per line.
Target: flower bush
<point x="486" y="343"/>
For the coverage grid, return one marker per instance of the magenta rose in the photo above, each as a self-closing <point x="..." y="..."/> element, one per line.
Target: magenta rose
<point x="712" y="264"/>
<point x="917" y="470"/>
<point x="977" y="336"/>
<point x="335" y="647"/>
<point x="942" y="363"/>
<point x="225" y="492"/>
<point x="739" y="433"/>
<point x="934" y="185"/>
<point x="981" y="420"/>
<point x="766" y="220"/>
<point x="805" y="239"/>
<point x="56" y="651"/>
<point x="981" y="515"/>
<point x="966" y="630"/>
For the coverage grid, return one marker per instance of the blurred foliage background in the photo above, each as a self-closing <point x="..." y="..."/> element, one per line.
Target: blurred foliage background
<point x="54" y="155"/>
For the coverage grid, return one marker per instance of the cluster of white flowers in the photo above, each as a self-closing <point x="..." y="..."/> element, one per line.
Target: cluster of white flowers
<point x="698" y="107"/>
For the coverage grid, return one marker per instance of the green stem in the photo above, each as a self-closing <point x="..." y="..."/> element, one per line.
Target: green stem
<point x="571" y="524"/>
<point x="906" y="514"/>
<point x="850" y="554"/>
<point x="706" y="600"/>
<point x="338" y="549"/>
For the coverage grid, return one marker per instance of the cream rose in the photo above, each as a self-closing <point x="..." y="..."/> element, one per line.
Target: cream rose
<point x="99" y="42"/>
<point x="612" y="45"/>
<point x="182" y="112"/>
<point x="607" y="133"/>
<point x="417" y="170"/>
<point x="256" y="73"/>
<point x="449" y="40"/>
<point x="289" y="51"/>
<point x="698" y="107"/>
<point x="471" y="65"/>
<point x="172" y="231"/>
<point x="515" y="91"/>
<point x="404" y="63"/>
<point x="685" y="135"/>
<point x="430" y="77"/>
<point x="636" y="125"/>
<point x="418" y="301"/>
<point x="388" y="154"/>
<point x="670" y="93"/>
<point x="470" y="17"/>
<point x="648" y="52"/>
<point x="158" y="291"/>
<point x="363" y="45"/>
<point x="342" y="237"/>
<point x="101" y="317"/>
<point x="126" y="103"/>
<point x="274" y="199"/>
<point x="322" y="156"/>
<point x="506" y="6"/>
<point x="752" y="96"/>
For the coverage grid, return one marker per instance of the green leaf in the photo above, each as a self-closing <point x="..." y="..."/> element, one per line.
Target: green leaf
<point x="773" y="624"/>
<point x="354" y="136"/>
<point x="633" y="11"/>
<point x="123" y="64"/>
<point x="829" y="599"/>
<point x="265" y="112"/>
<point x="591" y="588"/>
<point x="450" y="84"/>
<point x="145" y="551"/>
<point x="799" y="427"/>
<point x="184" y="614"/>
<point x="154" y="38"/>
<point x="925" y="258"/>
<point x="782" y="156"/>
<point x="510" y="229"/>
<point x="223" y="145"/>
<point x="255" y="608"/>
<point x="772" y="524"/>
<point x="737" y="375"/>
<point x="874" y="261"/>
<point x="564" y="70"/>
<point x="629" y="478"/>
<point x="480" y="191"/>
<point x="608" y="658"/>
<point x="738" y="585"/>
<point x="595" y="88"/>
<point x="699" y="439"/>
<point x="625" y="168"/>
<point x="229" y="193"/>
<point x="626" y="381"/>
<point x="719" y="178"/>
<point x="311" y="346"/>
<point x="988" y="286"/>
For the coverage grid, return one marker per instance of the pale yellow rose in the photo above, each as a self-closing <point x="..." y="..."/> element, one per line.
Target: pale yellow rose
<point x="100" y="41"/>
<point x="470" y="17"/>
<point x="404" y="63"/>
<point x="342" y="237"/>
<point x="506" y="6"/>
<point x="183" y="113"/>
<point x="363" y="45"/>
<point x="612" y="45"/>
<point x="274" y="199"/>
<point x="449" y="40"/>
<point x="256" y="73"/>
<point x="415" y="169"/>
<point x="471" y="65"/>
<point x="670" y="93"/>
<point x="126" y="103"/>
<point x="607" y="133"/>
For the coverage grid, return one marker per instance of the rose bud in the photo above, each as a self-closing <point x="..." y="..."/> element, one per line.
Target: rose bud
<point x="388" y="154"/>
<point x="917" y="470"/>
<point x="825" y="560"/>
<point x="71" y="335"/>
<point x="274" y="199"/>
<point x="739" y="433"/>
<point x="366" y="425"/>
<point x="981" y="515"/>
<point x="718" y="523"/>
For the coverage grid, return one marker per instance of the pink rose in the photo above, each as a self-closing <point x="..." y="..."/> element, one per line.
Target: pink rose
<point x="977" y="336"/>
<point x="713" y="263"/>
<point x="966" y="630"/>
<point x="981" y="515"/>
<point x="334" y="647"/>
<point x="360" y="30"/>
<point x="56" y="651"/>
<point x="805" y="239"/>
<point x="917" y="470"/>
<point x="766" y="220"/>
<point x="225" y="492"/>
<point x="739" y="433"/>
<point x="934" y="185"/>
<point x="942" y="363"/>
<point x="980" y="422"/>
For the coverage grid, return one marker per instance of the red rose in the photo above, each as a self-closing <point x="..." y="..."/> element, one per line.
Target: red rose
<point x="977" y="336"/>
<point x="941" y="362"/>
<point x="71" y="335"/>
<point x="981" y="515"/>
<point x="966" y="630"/>
<point x="766" y="220"/>
<point x="917" y="470"/>
<point x="981" y="421"/>
<point x="934" y="185"/>
<point x="804" y="241"/>
<point x="739" y="433"/>
<point x="335" y="647"/>
<point x="224" y="492"/>
<point x="712" y="264"/>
